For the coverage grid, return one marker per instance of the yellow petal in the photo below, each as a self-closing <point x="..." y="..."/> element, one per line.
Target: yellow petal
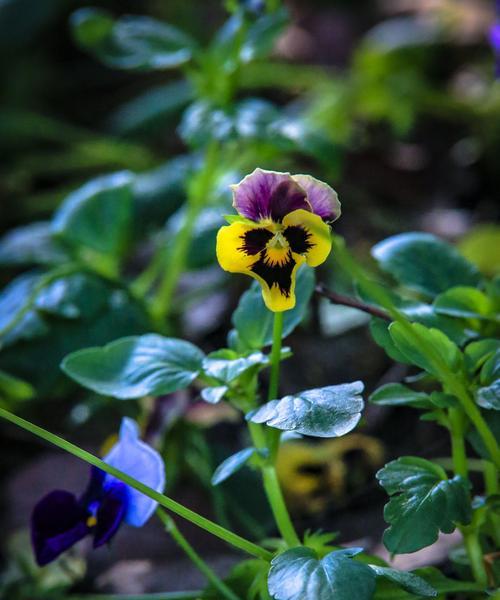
<point x="274" y="298"/>
<point x="230" y="255"/>
<point x="318" y="235"/>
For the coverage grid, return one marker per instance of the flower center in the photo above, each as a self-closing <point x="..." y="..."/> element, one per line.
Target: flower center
<point x="277" y="250"/>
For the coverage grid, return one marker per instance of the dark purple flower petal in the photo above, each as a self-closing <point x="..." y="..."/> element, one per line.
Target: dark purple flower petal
<point x="58" y="521"/>
<point x="111" y="512"/>
<point x="94" y="487"/>
<point x="322" y="198"/>
<point x="268" y="194"/>
<point x="495" y="37"/>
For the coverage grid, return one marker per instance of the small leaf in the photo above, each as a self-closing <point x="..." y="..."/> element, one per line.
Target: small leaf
<point x="489" y="396"/>
<point x="254" y="322"/>
<point x="227" y="365"/>
<point x="331" y="411"/>
<point x="214" y="394"/>
<point x="298" y="574"/>
<point x="408" y="581"/>
<point x="131" y="42"/>
<point x="410" y="345"/>
<point x="422" y="504"/>
<point x="464" y="302"/>
<point x="425" y="263"/>
<point x="134" y="367"/>
<point x="97" y="217"/>
<point x="380" y="333"/>
<point x="396" y="394"/>
<point x="232" y="464"/>
<point x="477" y="353"/>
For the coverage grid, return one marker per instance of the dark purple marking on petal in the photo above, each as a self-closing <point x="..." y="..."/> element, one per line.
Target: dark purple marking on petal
<point x="263" y="194"/>
<point x="279" y="274"/>
<point x="287" y="196"/>
<point x="254" y="241"/>
<point x="58" y="521"/>
<point x="298" y="238"/>
<point x="111" y="512"/>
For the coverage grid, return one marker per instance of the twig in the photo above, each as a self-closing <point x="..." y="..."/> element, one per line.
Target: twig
<point x="352" y="302"/>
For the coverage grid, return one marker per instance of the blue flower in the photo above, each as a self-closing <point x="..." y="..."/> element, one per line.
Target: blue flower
<point x="494" y="36"/>
<point x="60" y="519"/>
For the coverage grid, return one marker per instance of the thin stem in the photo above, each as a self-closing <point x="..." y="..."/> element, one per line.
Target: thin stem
<point x="275" y="356"/>
<point x="459" y="456"/>
<point x="165" y="501"/>
<point x="195" y="558"/>
<point x="492" y="488"/>
<point x="273" y="489"/>
<point x="336" y="298"/>
<point x="475" y="554"/>
<point x="197" y="195"/>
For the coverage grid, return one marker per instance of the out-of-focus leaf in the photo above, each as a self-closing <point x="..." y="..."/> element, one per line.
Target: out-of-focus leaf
<point x="96" y="219"/>
<point x="477" y="353"/>
<point x="227" y="365"/>
<point x="397" y="33"/>
<point x="202" y="122"/>
<point x="214" y="394"/>
<point x="424" y="263"/>
<point x="30" y="244"/>
<point x="21" y="20"/>
<point x="406" y="343"/>
<point x="262" y="34"/>
<point x="15" y="298"/>
<point x="481" y="246"/>
<point x="396" y="394"/>
<point x="464" y="302"/>
<point x="152" y="110"/>
<point x="14" y="388"/>
<point x="131" y="42"/>
<point x="134" y="367"/>
<point x="422" y="503"/>
<point x="254" y="322"/>
<point x="489" y="396"/>
<point x="331" y="411"/>
<point x="298" y="574"/>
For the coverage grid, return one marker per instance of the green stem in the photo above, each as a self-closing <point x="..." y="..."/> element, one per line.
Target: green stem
<point x="458" y="453"/>
<point x="168" y="503"/>
<point x="273" y="489"/>
<point x="492" y="488"/>
<point x="475" y="554"/>
<point x="196" y="559"/>
<point x="275" y="356"/>
<point x="197" y="196"/>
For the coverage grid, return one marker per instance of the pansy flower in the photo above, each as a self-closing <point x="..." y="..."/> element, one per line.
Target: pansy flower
<point x="60" y="519"/>
<point x="282" y="223"/>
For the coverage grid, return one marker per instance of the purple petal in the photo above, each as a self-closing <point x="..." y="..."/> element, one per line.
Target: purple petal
<point x="137" y="459"/>
<point x="58" y="521"/>
<point x="111" y="512"/>
<point x="495" y="37"/>
<point x="268" y="194"/>
<point x="94" y="487"/>
<point x="322" y="198"/>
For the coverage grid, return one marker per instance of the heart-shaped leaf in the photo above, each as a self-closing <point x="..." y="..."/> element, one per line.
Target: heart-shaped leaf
<point x="322" y="412"/>
<point x="298" y="574"/>
<point x="133" y="367"/>
<point x="423" y="503"/>
<point x="425" y="263"/>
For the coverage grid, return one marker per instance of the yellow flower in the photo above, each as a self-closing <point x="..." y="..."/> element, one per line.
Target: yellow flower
<point x="282" y="223"/>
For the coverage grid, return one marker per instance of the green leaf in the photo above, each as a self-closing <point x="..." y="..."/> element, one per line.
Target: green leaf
<point x="331" y="411"/>
<point x="417" y="345"/>
<point x="134" y="367"/>
<point x="131" y="42"/>
<point x="14" y="388"/>
<point x="254" y="322"/>
<point x="423" y="502"/>
<point x="97" y="218"/>
<point x="152" y="110"/>
<point x="464" y="302"/>
<point x="262" y="34"/>
<point x="425" y="263"/>
<point x="477" y="353"/>
<point x="30" y="244"/>
<point x="227" y="365"/>
<point x="379" y="328"/>
<point x="408" y="581"/>
<point x="232" y="464"/>
<point x="298" y="574"/>
<point x="214" y="394"/>
<point x="397" y="394"/>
